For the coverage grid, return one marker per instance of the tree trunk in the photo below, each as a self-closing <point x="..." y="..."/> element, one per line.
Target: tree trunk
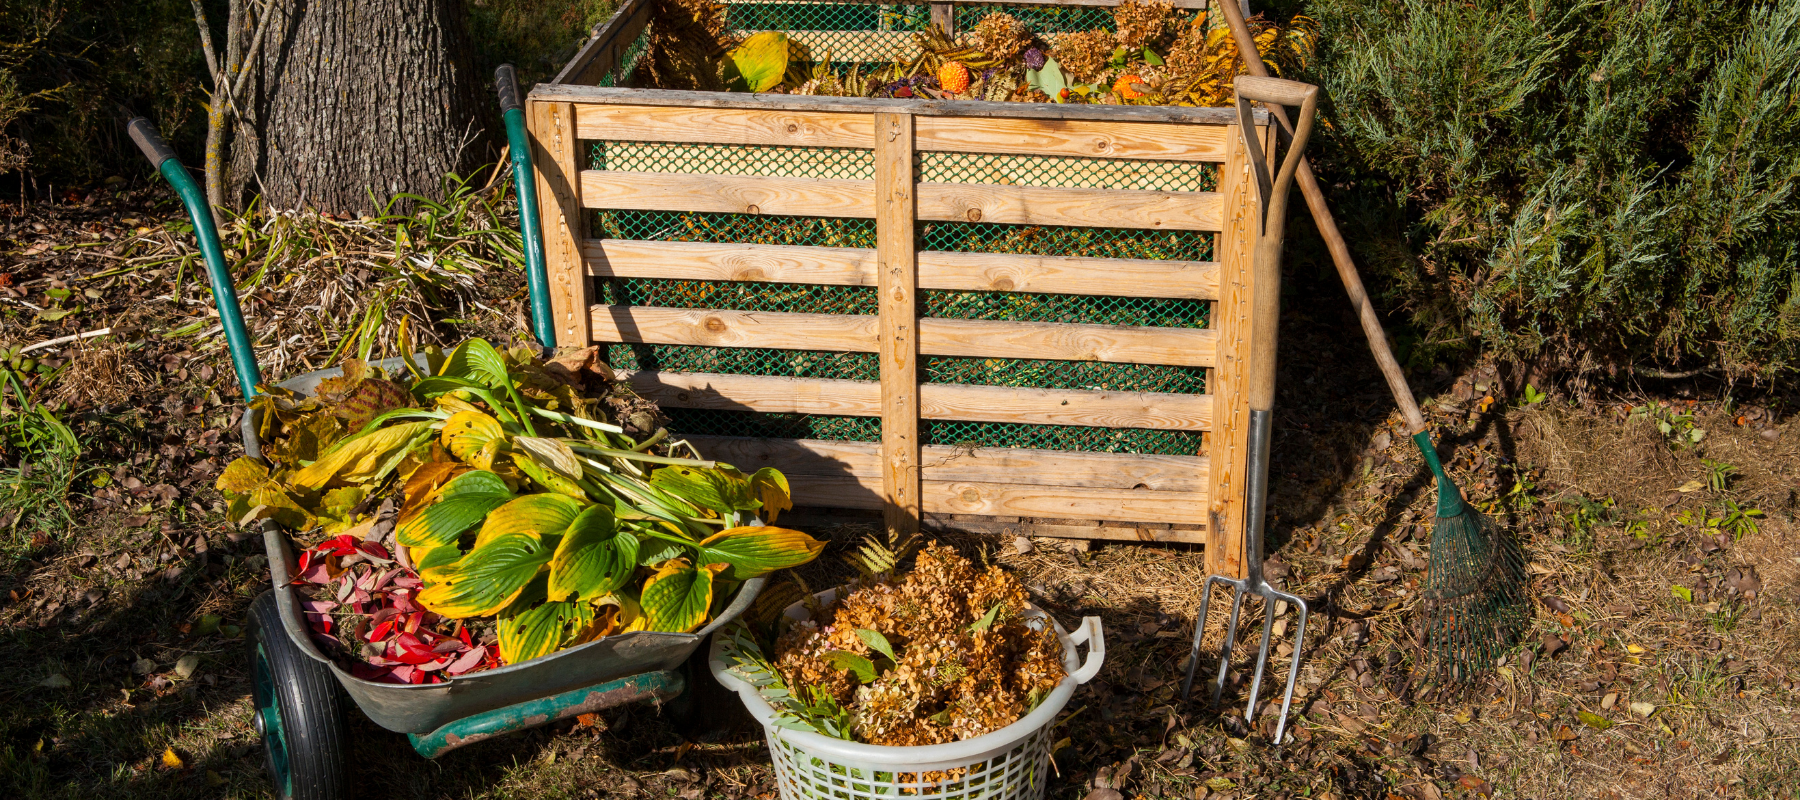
<point x="355" y="98"/>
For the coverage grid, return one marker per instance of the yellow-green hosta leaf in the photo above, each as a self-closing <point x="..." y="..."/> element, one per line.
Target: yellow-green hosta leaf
<point x="242" y="476"/>
<point x="595" y="557"/>
<point x="543" y="630"/>
<point x="770" y="487"/>
<point x="758" y="550"/>
<point x="473" y="437"/>
<point x="544" y="474"/>
<point x="722" y="490"/>
<point x="487" y="579"/>
<point x="614" y="613"/>
<point x="425" y="558"/>
<point x="762" y="60"/>
<point x="459" y="505"/>
<point x="477" y="361"/>
<point x="552" y="453"/>
<point x="336" y="505"/>
<point x="678" y="597"/>
<point x="362" y="458"/>
<point x="537" y="514"/>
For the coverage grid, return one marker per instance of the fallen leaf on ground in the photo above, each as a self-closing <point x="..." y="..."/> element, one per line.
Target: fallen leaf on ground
<point x="1594" y="721"/>
<point x="143" y="666"/>
<point x="171" y="760"/>
<point x="1690" y="486"/>
<point x="57" y="681"/>
<point x="184" y="668"/>
<point x="1643" y="709"/>
<point x="1562" y="733"/>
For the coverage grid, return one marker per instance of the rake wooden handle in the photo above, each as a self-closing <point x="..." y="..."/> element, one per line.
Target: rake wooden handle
<point x="1334" y="240"/>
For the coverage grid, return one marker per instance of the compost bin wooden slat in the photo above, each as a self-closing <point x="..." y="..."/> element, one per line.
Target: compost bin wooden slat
<point x="1118" y="344"/>
<point x="1083" y="138"/>
<point x="725" y="126"/>
<point x="622" y="95"/>
<point x="946" y="401"/>
<point x="827" y="458"/>
<point x="854" y="266"/>
<point x="1010" y="499"/>
<point x="1096" y="208"/>
<point x="600" y="55"/>
<point x="735" y="194"/>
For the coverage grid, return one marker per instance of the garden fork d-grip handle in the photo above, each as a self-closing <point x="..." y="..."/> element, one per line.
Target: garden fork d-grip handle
<point x="206" y="234"/>
<point x="1272" y="193"/>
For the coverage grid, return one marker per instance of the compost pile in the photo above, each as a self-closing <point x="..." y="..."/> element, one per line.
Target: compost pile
<point x="1152" y="55"/>
<point x="940" y="654"/>
<point x="492" y="507"/>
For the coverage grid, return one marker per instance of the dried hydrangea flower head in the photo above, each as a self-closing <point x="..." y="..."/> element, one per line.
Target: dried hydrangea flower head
<point x="1084" y="54"/>
<point x="1004" y="37"/>
<point x="966" y="663"/>
<point x="1142" y="24"/>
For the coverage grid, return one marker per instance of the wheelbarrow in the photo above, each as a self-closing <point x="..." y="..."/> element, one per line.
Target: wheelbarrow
<point x="297" y="689"/>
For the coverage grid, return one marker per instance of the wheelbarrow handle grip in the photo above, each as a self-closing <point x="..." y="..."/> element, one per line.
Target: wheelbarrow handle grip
<point x="148" y="140"/>
<point x="507" y="81"/>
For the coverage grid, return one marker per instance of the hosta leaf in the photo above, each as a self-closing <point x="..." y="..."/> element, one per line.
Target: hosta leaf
<point x="653" y="552"/>
<point x="613" y="613"/>
<point x="421" y="487"/>
<point x="478" y="361"/>
<point x="762" y="60"/>
<point x="676" y="599"/>
<point x="546" y="476"/>
<point x="425" y="558"/>
<point x="242" y="476"/>
<point x="537" y="514"/>
<point x="460" y="505"/>
<point x="362" y="458"/>
<point x="543" y="630"/>
<point x="770" y="487"/>
<point x="594" y="559"/>
<point x="722" y="490"/>
<point x="336" y="507"/>
<point x="758" y="550"/>
<point x="473" y="437"/>
<point x="551" y="453"/>
<point x="487" y="579"/>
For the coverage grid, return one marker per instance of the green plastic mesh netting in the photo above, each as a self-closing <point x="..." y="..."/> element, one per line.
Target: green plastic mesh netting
<point x="855" y="31"/>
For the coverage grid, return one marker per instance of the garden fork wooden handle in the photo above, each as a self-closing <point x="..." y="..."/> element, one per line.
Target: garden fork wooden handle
<point x="1334" y="240"/>
<point x="1272" y="194"/>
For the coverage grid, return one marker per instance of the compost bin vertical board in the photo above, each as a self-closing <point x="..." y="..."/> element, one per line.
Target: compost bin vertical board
<point x="896" y="243"/>
<point x="1228" y="442"/>
<point x="563" y="220"/>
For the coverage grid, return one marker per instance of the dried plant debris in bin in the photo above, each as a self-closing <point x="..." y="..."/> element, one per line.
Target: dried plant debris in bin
<point x="939" y="654"/>
<point x="492" y="507"/>
<point x="1151" y="55"/>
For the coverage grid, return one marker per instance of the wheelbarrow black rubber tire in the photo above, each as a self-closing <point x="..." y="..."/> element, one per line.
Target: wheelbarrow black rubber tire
<point x="301" y="711"/>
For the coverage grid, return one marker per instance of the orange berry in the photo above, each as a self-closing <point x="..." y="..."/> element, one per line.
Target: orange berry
<point x="954" y="77"/>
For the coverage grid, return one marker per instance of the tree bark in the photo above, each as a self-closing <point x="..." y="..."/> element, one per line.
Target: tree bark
<point x="359" y="98"/>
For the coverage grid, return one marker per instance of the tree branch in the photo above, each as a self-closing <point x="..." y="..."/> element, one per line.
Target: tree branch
<point x="206" y="47"/>
<point x="243" y="69"/>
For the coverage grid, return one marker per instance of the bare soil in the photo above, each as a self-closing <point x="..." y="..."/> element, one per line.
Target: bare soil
<point x="1660" y="660"/>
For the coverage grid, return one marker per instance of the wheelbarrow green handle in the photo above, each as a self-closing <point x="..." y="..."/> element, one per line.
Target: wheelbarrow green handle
<point x="237" y="339"/>
<point x="537" y="281"/>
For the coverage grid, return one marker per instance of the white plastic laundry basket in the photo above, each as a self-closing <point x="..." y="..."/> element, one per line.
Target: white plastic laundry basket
<point x="1009" y="764"/>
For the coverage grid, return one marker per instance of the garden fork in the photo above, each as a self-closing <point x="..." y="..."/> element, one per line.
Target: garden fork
<point x="1265" y="310"/>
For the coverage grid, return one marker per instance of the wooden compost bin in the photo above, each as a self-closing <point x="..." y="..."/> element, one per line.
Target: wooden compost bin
<point x="915" y="306"/>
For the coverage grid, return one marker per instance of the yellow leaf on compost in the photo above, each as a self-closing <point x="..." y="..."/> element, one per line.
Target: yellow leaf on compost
<point x="762" y="60"/>
<point x="361" y="458"/>
<point x="486" y="580"/>
<point x="473" y="437"/>
<point x="242" y="476"/>
<point x="750" y="551"/>
<point x="771" y="487"/>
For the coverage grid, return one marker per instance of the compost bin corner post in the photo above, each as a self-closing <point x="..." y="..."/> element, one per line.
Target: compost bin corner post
<point x="897" y="280"/>
<point x="1227" y="447"/>
<point x="555" y="155"/>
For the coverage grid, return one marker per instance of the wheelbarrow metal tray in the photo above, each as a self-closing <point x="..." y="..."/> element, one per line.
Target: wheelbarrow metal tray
<point x="423" y="708"/>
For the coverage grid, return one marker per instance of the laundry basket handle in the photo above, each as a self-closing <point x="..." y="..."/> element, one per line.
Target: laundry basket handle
<point x="1090" y="633"/>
